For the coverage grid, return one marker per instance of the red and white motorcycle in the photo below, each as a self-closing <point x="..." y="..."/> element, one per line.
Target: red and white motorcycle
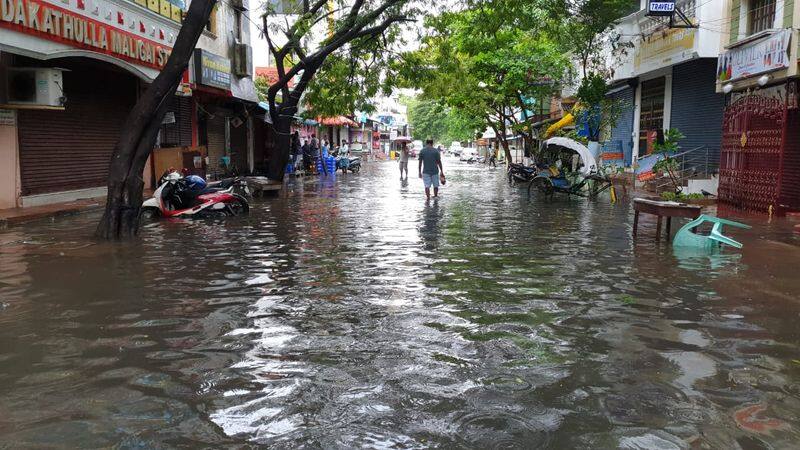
<point x="176" y="198"/>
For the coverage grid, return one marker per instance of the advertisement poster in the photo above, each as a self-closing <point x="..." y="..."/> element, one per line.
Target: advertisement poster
<point x="755" y="58"/>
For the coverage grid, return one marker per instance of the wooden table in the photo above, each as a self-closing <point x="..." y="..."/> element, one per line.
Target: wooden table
<point x="662" y="209"/>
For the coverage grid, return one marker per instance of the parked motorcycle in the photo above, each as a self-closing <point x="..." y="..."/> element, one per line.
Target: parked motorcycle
<point x="347" y="163"/>
<point x="177" y="196"/>
<point x="519" y="173"/>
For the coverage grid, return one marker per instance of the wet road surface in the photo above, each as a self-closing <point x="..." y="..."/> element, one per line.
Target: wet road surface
<point x="350" y="313"/>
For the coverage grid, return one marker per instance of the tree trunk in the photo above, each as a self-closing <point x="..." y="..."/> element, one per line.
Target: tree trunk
<point x="277" y="163"/>
<point x="506" y="151"/>
<point x="125" y="184"/>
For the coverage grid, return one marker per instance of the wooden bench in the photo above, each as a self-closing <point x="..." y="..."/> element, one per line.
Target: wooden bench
<point x="662" y="209"/>
<point x="263" y="186"/>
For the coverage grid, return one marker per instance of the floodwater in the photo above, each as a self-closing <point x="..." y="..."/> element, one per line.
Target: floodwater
<point x="351" y="314"/>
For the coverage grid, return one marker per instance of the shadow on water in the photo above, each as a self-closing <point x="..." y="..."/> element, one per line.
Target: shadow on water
<point x="351" y="313"/>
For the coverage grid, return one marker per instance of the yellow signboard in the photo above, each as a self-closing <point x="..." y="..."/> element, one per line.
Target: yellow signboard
<point x="665" y="47"/>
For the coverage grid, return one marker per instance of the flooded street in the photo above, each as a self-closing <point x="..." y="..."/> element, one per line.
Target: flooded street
<point x="350" y="314"/>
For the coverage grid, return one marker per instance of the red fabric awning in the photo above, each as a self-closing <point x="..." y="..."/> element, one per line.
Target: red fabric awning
<point x="338" y="121"/>
<point x="271" y="74"/>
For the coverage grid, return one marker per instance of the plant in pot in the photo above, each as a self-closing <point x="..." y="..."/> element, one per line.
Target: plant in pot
<point x="668" y="165"/>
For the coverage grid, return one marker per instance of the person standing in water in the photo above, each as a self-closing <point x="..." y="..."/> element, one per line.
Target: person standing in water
<point x="430" y="168"/>
<point x="404" y="152"/>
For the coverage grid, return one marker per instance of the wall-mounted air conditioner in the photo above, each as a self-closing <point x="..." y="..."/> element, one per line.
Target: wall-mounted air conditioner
<point x="35" y="86"/>
<point x="242" y="60"/>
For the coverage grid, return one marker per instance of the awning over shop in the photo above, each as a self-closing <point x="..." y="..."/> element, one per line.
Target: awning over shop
<point x="244" y="89"/>
<point x="338" y="121"/>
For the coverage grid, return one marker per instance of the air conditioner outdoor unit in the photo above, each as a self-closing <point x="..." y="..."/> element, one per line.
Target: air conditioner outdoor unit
<point x="35" y="86"/>
<point x="242" y="60"/>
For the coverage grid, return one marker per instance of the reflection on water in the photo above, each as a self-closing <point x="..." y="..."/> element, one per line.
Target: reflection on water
<point x="352" y="313"/>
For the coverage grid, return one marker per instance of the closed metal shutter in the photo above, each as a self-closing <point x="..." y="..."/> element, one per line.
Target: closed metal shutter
<point x="696" y="108"/>
<point x="216" y="140"/>
<point x="790" y="176"/>
<point x="178" y="134"/>
<point x="239" y="147"/>
<point x="622" y="133"/>
<point x="71" y="149"/>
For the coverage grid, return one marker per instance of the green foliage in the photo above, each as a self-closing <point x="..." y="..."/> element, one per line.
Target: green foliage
<point x="431" y="119"/>
<point x="490" y="64"/>
<point x="344" y="84"/>
<point x="592" y="90"/>
<point x="583" y="26"/>
<point x="670" y="143"/>
<point x="262" y="86"/>
<point x="680" y="196"/>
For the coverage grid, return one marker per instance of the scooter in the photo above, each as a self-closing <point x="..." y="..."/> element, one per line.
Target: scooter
<point x="519" y="173"/>
<point x="175" y="198"/>
<point x="346" y="163"/>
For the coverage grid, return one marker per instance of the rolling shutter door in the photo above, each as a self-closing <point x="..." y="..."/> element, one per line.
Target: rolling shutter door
<point x="216" y="140"/>
<point x="71" y="149"/>
<point x="239" y="147"/>
<point x="622" y="133"/>
<point x="178" y="134"/>
<point x="696" y="107"/>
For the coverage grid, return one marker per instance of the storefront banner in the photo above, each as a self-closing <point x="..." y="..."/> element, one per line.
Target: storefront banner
<point x="664" y="48"/>
<point x="54" y="23"/>
<point x="754" y="58"/>
<point x="212" y="70"/>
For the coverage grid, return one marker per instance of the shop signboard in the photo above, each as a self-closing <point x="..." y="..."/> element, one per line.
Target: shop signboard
<point x="664" y="48"/>
<point x="660" y="7"/>
<point x="101" y="27"/>
<point x="7" y="118"/>
<point x="757" y="57"/>
<point x="212" y="70"/>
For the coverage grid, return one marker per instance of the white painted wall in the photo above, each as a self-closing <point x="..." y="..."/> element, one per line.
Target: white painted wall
<point x="711" y="14"/>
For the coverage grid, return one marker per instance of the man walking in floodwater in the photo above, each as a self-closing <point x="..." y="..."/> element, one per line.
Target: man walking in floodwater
<point x="430" y="166"/>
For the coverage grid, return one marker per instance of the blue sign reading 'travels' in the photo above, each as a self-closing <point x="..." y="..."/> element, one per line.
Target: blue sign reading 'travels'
<point x="661" y="7"/>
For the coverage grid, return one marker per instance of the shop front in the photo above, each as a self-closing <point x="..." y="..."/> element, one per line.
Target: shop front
<point x="70" y="71"/>
<point x="760" y="156"/>
<point x="225" y="116"/>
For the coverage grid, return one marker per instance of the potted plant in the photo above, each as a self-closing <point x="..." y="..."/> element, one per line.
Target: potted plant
<point x="668" y="165"/>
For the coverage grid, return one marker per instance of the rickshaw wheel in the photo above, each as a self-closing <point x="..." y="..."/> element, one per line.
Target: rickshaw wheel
<point x="543" y="184"/>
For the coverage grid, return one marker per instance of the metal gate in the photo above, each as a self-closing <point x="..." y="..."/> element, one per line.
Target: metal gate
<point x="753" y="136"/>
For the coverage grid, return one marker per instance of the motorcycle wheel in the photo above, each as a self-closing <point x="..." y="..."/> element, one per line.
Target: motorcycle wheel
<point x="239" y="206"/>
<point x="149" y="213"/>
<point x="355" y="169"/>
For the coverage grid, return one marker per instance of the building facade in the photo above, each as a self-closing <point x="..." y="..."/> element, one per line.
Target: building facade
<point x="70" y="72"/>
<point x="664" y="78"/>
<point x="757" y="71"/>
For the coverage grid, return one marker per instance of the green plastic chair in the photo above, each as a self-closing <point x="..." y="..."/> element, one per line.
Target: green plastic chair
<point x="686" y="238"/>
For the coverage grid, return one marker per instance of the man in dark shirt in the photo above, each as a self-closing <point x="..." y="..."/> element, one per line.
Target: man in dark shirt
<point x="430" y="165"/>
